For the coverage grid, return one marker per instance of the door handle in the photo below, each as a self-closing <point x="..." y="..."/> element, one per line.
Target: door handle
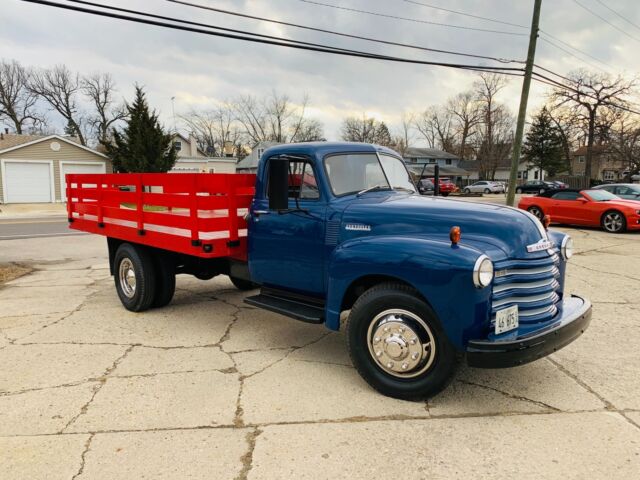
<point x="257" y="213"/>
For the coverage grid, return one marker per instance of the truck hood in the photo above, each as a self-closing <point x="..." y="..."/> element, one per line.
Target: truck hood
<point x="493" y="229"/>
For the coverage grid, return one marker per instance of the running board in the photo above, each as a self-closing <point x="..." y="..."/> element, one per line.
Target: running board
<point x="289" y="308"/>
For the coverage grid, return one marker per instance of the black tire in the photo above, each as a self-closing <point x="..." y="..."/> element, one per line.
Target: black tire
<point x="242" y="284"/>
<point x="140" y="264"/>
<point x="487" y="191"/>
<point x="466" y="191"/>
<point x="518" y="190"/>
<point x="165" y="282"/>
<point x="609" y="225"/>
<point x="445" y="194"/>
<point x="536" y="212"/>
<point x="439" y="367"/>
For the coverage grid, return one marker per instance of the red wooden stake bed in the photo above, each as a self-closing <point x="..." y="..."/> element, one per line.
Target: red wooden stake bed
<point x="199" y="214"/>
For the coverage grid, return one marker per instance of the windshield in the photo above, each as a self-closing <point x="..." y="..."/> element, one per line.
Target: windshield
<point x="601" y="195"/>
<point x="355" y="172"/>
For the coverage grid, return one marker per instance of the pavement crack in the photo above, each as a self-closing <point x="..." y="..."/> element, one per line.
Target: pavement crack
<point x="607" y="404"/>
<point x="87" y="447"/>
<point x="98" y="387"/>
<point x="631" y="421"/>
<point x="511" y="395"/>
<point x="247" y="458"/>
<point x="601" y="272"/>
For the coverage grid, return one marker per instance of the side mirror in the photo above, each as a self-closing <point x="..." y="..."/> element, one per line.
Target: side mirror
<point x="278" y="190"/>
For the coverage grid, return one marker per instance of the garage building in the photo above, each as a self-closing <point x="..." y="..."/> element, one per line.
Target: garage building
<point x="32" y="167"/>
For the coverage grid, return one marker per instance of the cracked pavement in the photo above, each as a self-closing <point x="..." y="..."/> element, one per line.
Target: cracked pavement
<point x="209" y="387"/>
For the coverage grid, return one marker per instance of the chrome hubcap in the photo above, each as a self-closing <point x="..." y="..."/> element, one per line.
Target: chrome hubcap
<point x="613" y="222"/>
<point x="536" y="212"/>
<point x="127" y="278"/>
<point x="401" y="343"/>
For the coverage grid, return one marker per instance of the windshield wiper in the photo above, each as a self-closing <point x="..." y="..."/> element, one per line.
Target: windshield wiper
<point x="404" y="189"/>
<point x="371" y="189"/>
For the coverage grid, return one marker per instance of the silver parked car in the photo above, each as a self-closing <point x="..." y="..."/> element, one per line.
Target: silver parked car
<point x="485" y="186"/>
<point x="628" y="191"/>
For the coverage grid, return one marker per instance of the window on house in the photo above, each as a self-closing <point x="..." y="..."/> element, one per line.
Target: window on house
<point x="432" y="160"/>
<point x="177" y="145"/>
<point x="581" y="159"/>
<point x="260" y="152"/>
<point x="535" y="175"/>
<point x="448" y="161"/>
<point x="212" y="170"/>
<point x="609" y="175"/>
<point x="520" y="175"/>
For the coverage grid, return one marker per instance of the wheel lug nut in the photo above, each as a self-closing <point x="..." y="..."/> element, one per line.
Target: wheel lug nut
<point x="378" y="353"/>
<point x="401" y="329"/>
<point x="376" y="340"/>
<point x="414" y="356"/>
<point x="386" y="329"/>
<point x="405" y="366"/>
<point x="390" y="365"/>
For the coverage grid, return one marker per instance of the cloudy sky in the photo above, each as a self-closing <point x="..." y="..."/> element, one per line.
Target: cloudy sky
<point x="200" y="70"/>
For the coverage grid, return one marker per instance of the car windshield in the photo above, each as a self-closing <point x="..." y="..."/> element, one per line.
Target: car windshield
<point x="601" y="195"/>
<point x="356" y="172"/>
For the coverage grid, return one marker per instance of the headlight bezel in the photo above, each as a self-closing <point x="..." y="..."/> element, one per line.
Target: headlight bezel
<point x="480" y="275"/>
<point x="566" y="248"/>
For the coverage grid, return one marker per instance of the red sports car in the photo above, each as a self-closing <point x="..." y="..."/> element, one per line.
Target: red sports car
<point x="585" y="207"/>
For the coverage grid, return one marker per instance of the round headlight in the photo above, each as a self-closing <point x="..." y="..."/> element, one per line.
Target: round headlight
<point x="483" y="272"/>
<point x="567" y="247"/>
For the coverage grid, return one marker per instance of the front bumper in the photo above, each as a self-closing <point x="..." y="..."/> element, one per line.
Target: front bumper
<point x="573" y="319"/>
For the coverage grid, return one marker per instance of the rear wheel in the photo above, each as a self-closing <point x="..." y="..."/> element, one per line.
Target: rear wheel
<point x="536" y="211"/>
<point x="397" y="344"/>
<point x="242" y="284"/>
<point x="165" y="282"/>
<point x="467" y="191"/>
<point x="486" y="190"/>
<point x="134" y="277"/>
<point x="614" y="221"/>
<point x="518" y="190"/>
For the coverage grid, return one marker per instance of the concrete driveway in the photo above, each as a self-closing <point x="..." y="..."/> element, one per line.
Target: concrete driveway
<point x="211" y="388"/>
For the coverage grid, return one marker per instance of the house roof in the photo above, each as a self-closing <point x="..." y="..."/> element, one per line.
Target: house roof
<point x="597" y="149"/>
<point x="9" y="142"/>
<point x="427" y="153"/>
<point x="429" y="169"/>
<point x="251" y="160"/>
<point x="188" y="142"/>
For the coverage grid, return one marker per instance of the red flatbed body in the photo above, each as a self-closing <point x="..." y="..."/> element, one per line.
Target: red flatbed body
<point x="199" y="214"/>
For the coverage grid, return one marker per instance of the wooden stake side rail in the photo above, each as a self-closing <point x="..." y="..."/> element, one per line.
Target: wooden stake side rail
<point x="200" y="214"/>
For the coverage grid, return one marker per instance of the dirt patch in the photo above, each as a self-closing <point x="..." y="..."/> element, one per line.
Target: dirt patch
<point x="12" y="271"/>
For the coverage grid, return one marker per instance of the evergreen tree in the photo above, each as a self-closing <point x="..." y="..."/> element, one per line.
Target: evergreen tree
<point x="142" y="146"/>
<point x="543" y="145"/>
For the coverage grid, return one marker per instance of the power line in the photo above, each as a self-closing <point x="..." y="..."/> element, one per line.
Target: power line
<point x="546" y="40"/>
<point x="284" y="43"/>
<point x="415" y="20"/>
<point x="618" y="14"/>
<point x="464" y="14"/>
<point x="332" y="32"/>
<point x="595" y="14"/>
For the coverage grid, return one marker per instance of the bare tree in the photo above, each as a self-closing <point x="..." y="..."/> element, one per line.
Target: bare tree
<point x="214" y="129"/>
<point x="17" y="101"/>
<point x="60" y="88"/>
<point x="310" y="130"/>
<point x="592" y="94"/>
<point x="494" y="142"/>
<point x="568" y="129"/>
<point x="466" y="115"/>
<point x="100" y="88"/>
<point x="434" y="124"/>
<point x="405" y="134"/>
<point x="365" y="129"/>
<point x="625" y="141"/>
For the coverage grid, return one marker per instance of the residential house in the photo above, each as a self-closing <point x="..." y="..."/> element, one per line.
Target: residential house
<point x="604" y="164"/>
<point x="33" y="167"/>
<point x="526" y="171"/>
<point x="421" y="161"/>
<point x="192" y="159"/>
<point x="249" y="164"/>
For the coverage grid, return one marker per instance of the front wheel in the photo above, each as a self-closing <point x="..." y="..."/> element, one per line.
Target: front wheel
<point x="518" y="190"/>
<point x="536" y="212"/>
<point x="397" y="344"/>
<point x="487" y="191"/>
<point x="467" y="191"/>
<point x="614" y="222"/>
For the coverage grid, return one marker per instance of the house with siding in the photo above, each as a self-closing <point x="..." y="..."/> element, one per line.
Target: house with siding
<point x="33" y="167"/>
<point x="192" y="159"/>
<point x="605" y="164"/>
<point x="249" y="164"/>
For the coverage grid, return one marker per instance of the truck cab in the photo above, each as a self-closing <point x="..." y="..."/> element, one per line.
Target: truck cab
<point x="336" y="234"/>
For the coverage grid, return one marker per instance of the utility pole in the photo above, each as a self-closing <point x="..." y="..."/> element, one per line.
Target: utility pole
<point x="524" y="97"/>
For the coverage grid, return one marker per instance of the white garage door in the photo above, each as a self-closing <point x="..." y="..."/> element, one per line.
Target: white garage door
<point x="77" y="168"/>
<point x="27" y="182"/>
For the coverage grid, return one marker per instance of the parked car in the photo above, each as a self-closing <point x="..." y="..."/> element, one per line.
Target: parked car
<point x="535" y="186"/>
<point x="446" y="186"/>
<point x="628" y="191"/>
<point x="327" y="228"/>
<point x="560" y="185"/>
<point x="585" y="207"/>
<point x="425" y="186"/>
<point x="484" y="186"/>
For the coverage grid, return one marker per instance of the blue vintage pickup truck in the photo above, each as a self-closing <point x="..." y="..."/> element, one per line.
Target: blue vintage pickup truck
<point x="337" y="231"/>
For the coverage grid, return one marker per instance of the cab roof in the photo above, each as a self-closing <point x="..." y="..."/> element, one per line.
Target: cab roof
<point x="321" y="149"/>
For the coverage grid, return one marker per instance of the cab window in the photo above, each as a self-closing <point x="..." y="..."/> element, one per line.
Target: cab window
<point x="302" y="181"/>
<point x="566" y="196"/>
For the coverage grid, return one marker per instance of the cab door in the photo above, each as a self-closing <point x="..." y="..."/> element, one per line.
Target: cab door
<point x="286" y="249"/>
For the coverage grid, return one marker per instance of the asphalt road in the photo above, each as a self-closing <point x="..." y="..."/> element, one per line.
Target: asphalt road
<point x="11" y="229"/>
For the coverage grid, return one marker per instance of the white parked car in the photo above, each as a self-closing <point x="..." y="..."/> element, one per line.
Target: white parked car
<point x="485" y="186"/>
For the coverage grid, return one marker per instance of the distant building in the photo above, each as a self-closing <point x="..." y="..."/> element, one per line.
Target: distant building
<point x="526" y="171"/>
<point x="421" y="162"/>
<point x="605" y="165"/>
<point x="249" y="164"/>
<point x="192" y="159"/>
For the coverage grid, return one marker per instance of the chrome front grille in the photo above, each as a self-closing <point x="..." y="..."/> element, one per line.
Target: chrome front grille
<point x="530" y="284"/>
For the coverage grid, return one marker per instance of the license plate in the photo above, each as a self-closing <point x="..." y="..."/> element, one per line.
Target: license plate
<point x="506" y="319"/>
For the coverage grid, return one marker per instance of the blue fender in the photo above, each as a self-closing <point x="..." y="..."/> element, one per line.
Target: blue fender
<point x="441" y="272"/>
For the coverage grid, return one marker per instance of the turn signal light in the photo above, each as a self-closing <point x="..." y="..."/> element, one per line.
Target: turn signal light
<point x="546" y="221"/>
<point x="454" y="235"/>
